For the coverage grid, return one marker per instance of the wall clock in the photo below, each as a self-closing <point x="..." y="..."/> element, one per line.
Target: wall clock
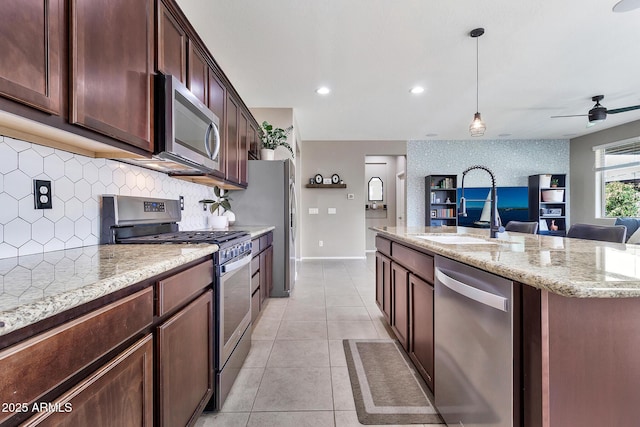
<point x="335" y="178"/>
<point x="318" y="178"/>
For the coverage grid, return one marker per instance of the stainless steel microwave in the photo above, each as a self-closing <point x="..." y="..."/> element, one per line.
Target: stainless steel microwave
<point x="186" y="131"/>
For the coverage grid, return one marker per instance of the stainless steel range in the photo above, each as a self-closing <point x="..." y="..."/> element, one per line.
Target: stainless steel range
<point x="143" y="220"/>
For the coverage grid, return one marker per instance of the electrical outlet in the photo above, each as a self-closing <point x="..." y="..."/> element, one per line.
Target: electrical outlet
<point x="320" y="243"/>
<point x="182" y="203"/>
<point x="42" y="194"/>
<point x="351" y="196"/>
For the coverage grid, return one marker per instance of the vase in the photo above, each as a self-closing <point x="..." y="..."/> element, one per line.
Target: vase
<point x="230" y="216"/>
<point x="219" y="222"/>
<point x="545" y="181"/>
<point x="267" y="154"/>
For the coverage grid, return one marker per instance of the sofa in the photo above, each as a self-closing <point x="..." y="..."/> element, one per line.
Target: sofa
<point x="632" y="224"/>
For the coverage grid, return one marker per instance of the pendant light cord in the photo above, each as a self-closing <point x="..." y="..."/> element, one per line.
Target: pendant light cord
<point x="477" y="73"/>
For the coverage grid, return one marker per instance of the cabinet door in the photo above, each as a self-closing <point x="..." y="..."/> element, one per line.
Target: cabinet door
<point x="172" y="45"/>
<point x="31" y="42"/>
<point x="198" y="78"/>
<point x="111" y="69"/>
<point x="185" y="362"/>
<point x="266" y="274"/>
<point x="118" y="394"/>
<point x="400" y="301"/>
<point x="217" y="94"/>
<point x="232" y="143"/>
<point x="383" y="285"/>
<point x="421" y="327"/>
<point x="254" y="141"/>
<point x="243" y="148"/>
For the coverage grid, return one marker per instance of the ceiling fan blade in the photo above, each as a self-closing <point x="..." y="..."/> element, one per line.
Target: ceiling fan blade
<point x="573" y="115"/>
<point x="622" y="110"/>
<point x="626" y="5"/>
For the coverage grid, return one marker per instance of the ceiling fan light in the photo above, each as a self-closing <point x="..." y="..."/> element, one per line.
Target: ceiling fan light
<point x="477" y="126"/>
<point x="597" y="114"/>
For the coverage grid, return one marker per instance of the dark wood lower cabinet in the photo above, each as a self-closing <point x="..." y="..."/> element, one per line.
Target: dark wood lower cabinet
<point x="400" y="303"/>
<point x="118" y="394"/>
<point x="185" y="363"/>
<point x="383" y="285"/>
<point x="421" y="342"/>
<point x="261" y="272"/>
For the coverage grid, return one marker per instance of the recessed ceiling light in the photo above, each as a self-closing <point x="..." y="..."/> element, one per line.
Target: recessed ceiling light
<point x="323" y="90"/>
<point x="504" y="134"/>
<point x="431" y="135"/>
<point x="416" y="90"/>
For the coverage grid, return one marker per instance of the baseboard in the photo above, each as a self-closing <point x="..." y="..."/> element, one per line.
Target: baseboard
<point x="331" y="257"/>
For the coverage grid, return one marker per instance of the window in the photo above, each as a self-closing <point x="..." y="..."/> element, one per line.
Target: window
<point x="618" y="177"/>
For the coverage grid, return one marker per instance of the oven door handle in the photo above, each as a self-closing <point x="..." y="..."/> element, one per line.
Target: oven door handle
<point x="236" y="265"/>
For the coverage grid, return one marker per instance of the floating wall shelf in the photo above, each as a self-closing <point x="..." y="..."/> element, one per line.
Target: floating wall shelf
<point x="326" y="185"/>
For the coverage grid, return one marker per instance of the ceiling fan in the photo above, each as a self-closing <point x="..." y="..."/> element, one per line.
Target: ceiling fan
<point x="599" y="113"/>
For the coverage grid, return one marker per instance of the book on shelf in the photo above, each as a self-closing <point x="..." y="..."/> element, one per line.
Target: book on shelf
<point x="443" y="213"/>
<point x="443" y="183"/>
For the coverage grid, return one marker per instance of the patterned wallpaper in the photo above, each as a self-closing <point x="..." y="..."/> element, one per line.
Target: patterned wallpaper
<point x="77" y="183"/>
<point x="512" y="161"/>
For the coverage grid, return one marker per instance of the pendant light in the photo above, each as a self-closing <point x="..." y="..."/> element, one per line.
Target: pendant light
<point x="477" y="126"/>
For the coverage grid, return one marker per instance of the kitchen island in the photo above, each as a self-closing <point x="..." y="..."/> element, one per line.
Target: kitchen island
<point x="100" y="333"/>
<point x="576" y="321"/>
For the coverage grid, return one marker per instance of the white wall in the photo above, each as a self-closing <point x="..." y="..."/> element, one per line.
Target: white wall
<point x="583" y="181"/>
<point x="512" y="161"/>
<point x="77" y="183"/>
<point x="343" y="234"/>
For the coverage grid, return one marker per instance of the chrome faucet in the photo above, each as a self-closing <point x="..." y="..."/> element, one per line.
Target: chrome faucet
<point x="495" y="225"/>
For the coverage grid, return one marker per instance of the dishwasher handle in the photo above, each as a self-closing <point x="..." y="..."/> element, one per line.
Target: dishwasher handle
<point x="487" y="298"/>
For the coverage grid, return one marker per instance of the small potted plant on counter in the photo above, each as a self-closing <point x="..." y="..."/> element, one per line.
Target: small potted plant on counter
<point x="223" y="217"/>
<point x="272" y="138"/>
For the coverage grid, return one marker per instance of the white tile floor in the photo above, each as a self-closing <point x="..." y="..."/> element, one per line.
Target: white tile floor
<point x="296" y="374"/>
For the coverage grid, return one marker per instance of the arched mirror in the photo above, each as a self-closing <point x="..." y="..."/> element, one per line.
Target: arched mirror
<point x="375" y="189"/>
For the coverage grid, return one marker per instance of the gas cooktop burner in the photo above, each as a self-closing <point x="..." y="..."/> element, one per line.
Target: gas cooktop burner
<point x="187" y="237"/>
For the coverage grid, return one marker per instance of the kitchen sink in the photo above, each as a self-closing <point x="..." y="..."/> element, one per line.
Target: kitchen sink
<point x="456" y="240"/>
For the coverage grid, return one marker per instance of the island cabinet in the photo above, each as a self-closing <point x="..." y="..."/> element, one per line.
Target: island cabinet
<point x="142" y="356"/>
<point x="112" y="61"/>
<point x="78" y="357"/>
<point x="404" y="293"/>
<point x="261" y="272"/>
<point x="32" y="46"/>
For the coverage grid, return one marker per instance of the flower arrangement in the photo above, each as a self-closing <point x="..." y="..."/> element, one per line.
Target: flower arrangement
<point x="273" y="137"/>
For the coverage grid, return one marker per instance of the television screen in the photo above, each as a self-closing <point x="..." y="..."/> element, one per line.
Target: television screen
<point x="513" y="205"/>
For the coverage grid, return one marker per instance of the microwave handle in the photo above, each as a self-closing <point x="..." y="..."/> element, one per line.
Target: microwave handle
<point x="216" y="135"/>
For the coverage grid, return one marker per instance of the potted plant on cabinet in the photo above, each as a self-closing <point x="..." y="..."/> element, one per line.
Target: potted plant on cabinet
<point x="272" y="138"/>
<point x="221" y="218"/>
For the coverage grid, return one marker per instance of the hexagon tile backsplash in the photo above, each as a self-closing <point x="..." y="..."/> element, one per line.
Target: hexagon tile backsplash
<point x="77" y="183"/>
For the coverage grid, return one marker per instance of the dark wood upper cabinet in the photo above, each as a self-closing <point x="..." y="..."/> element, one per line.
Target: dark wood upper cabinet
<point x="243" y="147"/>
<point x="254" y="141"/>
<point x="111" y="68"/>
<point x="231" y="152"/>
<point x="198" y="79"/>
<point x="172" y="45"/>
<point x="217" y="94"/>
<point x="31" y="42"/>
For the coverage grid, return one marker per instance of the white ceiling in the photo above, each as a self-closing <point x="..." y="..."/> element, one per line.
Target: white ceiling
<point x="537" y="59"/>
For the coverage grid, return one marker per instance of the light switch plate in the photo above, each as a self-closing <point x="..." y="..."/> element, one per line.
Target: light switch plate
<point x="331" y="211"/>
<point x="313" y="211"/>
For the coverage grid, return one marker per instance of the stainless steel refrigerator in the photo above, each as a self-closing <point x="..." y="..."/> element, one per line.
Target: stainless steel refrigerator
<point x="270" y="199"/>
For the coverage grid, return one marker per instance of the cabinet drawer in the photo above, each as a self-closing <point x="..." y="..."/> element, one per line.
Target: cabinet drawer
<point x="383" y="245"/>
<point x="255" y="265"/>
<point x="180" y="288"/>
<point x="37" y="365"/>
<point x="264" y="242"/>
<point x="417" y="262"/>
<point x="255" y="246"/>
<point x="255" y="282"/>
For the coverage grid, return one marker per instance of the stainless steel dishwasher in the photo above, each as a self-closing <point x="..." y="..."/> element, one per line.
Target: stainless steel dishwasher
<point x="474" y="370"/>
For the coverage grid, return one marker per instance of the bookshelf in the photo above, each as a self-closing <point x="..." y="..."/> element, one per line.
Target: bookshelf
<point x="548" y="203"/>
<point x="441" y="194"/>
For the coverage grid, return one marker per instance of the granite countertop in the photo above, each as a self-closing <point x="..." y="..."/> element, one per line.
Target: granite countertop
<point x="35" y="287"/>
<point x="569" y="267"/>
<point x="254" y="230"/>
